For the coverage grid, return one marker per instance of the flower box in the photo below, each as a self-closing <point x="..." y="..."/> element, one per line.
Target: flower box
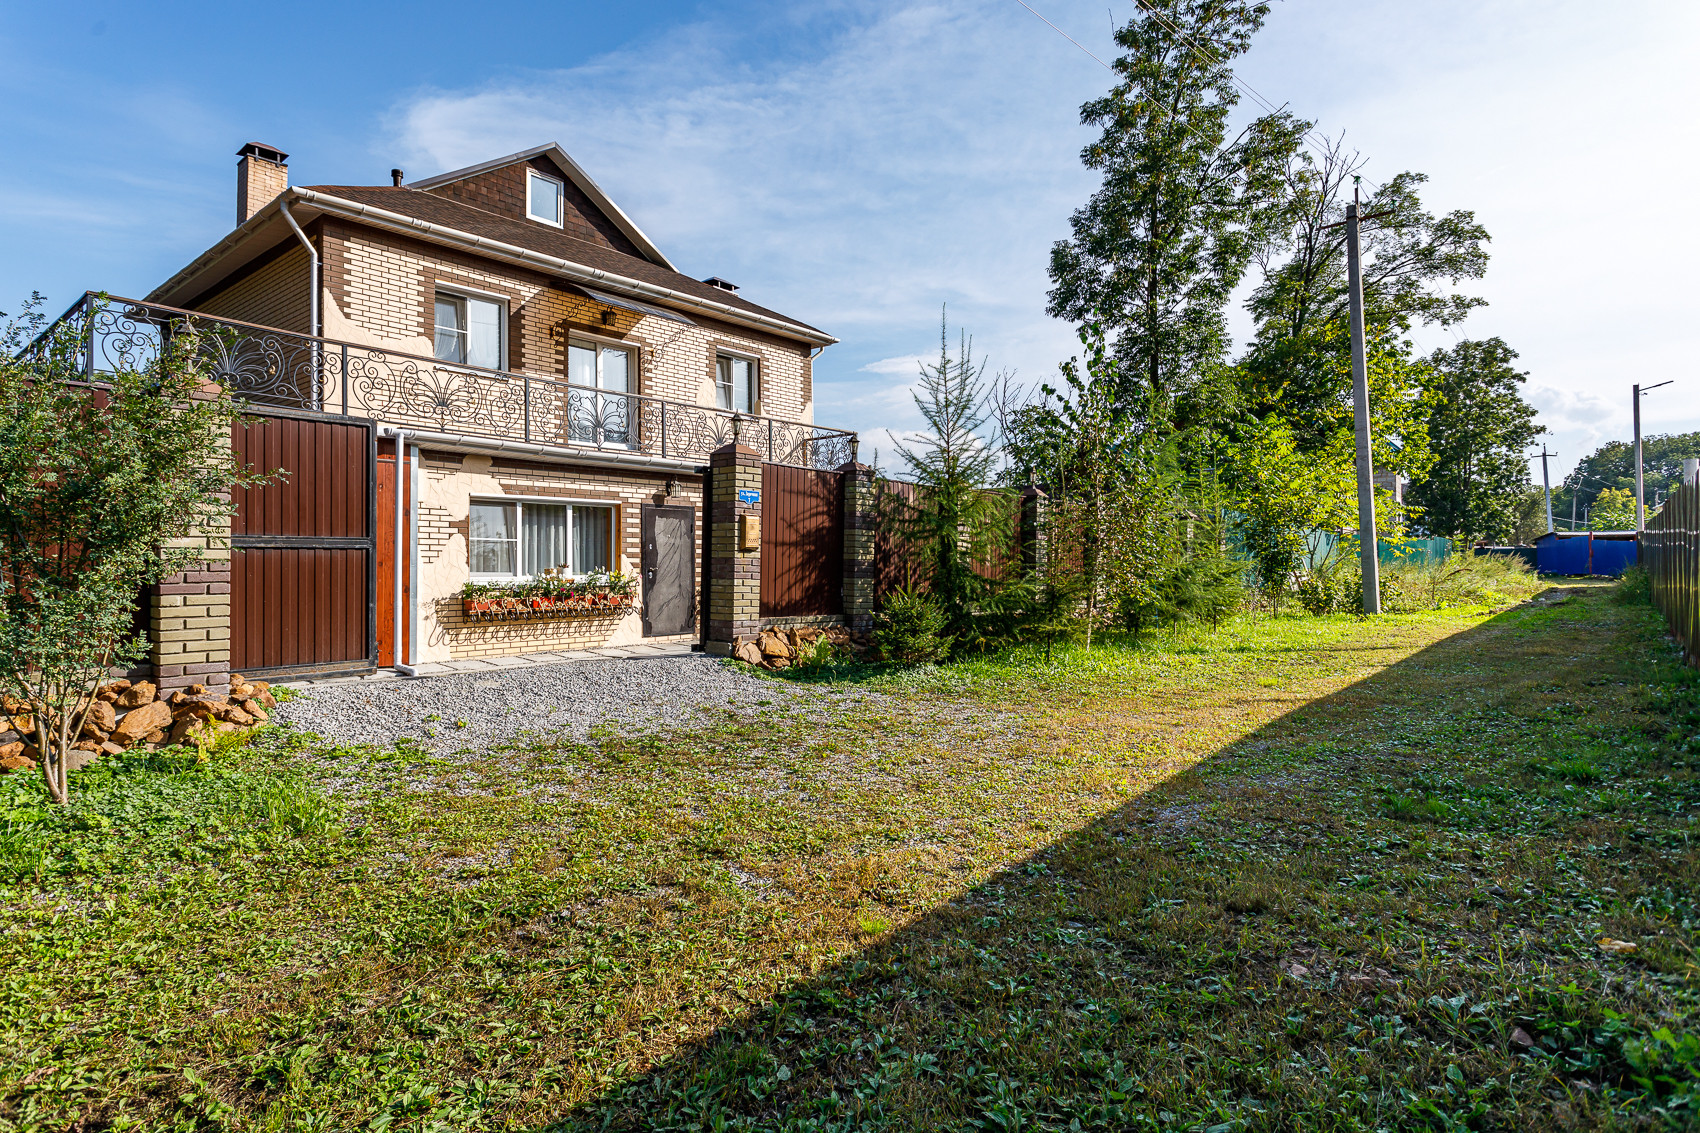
<point x="552" y="596"/>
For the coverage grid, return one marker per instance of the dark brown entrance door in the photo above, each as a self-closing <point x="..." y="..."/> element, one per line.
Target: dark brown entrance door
<point x="302" y="552"/>
<point x="669" y="571"/>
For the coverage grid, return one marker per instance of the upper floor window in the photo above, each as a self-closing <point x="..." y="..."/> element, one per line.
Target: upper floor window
<point x="544" y="198"/>
<point x="469" y="330"/>
<point x="735" y="384"/>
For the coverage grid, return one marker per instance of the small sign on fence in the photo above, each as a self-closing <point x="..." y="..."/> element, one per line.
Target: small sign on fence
<point x="749" y="495"/>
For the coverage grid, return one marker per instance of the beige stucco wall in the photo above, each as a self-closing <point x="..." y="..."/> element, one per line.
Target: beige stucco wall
<point x="448" y="482"/>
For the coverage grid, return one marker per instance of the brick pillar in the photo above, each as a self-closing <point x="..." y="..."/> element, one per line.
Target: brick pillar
<point x="859" y="535"/>
<point x="189" y="631"/>
<point x="734" y="564"/>
<point x="1032" y="538"/>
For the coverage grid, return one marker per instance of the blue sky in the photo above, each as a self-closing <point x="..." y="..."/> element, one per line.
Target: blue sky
<point x="859" y="164"/>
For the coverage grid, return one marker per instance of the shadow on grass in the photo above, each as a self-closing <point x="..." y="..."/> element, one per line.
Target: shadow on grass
<point x="1368" y="913"/>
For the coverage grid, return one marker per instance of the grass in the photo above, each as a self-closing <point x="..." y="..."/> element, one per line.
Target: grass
<point x="1295" y="874"/>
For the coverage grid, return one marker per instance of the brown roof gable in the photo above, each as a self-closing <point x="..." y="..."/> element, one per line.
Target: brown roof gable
<point x="434" y="209"/>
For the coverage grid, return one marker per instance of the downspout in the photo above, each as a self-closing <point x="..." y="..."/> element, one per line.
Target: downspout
<point x="312" y="266"/>
<point x="397" y="664"/>
<point x="312" y="298"/>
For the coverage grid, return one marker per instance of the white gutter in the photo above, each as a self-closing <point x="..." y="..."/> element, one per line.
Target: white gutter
<point x="578" y="273"/>
<point x="460" y="442"/>
<point x="312" y="266"/>
<point x="397" y="664"/>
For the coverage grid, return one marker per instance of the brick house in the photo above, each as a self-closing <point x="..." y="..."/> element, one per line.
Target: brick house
<point x="480" y="376"/>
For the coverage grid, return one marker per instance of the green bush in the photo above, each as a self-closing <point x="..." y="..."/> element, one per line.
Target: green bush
<point x="910" y="629"/>
<point x="1635" y="588"/>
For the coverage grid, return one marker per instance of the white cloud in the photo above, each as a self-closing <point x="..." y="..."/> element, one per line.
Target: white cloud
<point x="906" y="364"/>
<point x="907" y="157"/>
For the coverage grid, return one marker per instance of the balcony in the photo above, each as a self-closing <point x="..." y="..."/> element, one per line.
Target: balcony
<point x="270" y="368"/>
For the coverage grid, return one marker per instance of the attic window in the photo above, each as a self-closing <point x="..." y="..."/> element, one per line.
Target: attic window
<point x="543" y="198"/>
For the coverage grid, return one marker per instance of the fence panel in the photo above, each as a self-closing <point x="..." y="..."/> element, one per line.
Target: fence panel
<point x="802" y="542"/>
<point x="1670" y="550"/>
<point x="897" y="567"/>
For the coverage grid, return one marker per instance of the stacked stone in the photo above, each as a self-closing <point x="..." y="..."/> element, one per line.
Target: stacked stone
<point x="128" y="714"/>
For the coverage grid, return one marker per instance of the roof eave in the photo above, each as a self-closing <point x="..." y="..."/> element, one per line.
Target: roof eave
<point x="326" y="204"/>
<point x="583" y="180"/>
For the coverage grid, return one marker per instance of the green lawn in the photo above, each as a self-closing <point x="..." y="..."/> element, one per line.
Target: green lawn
<point x="1296" y="873"/>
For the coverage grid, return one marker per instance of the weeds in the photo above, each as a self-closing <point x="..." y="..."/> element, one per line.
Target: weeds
<point x="1299" y="873"/>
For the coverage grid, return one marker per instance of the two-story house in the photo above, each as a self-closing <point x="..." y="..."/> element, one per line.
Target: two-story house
<point x="488" y="374"/>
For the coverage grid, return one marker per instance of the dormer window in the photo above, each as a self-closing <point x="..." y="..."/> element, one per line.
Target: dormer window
<point x="544" y="198"/>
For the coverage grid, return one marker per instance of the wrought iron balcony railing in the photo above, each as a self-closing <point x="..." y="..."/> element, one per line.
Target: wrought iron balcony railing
<point x="276" y="368"/>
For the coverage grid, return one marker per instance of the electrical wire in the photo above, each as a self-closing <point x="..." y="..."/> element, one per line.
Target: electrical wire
<point x="1070" y="38"/>
<point x="1212" y="57"/>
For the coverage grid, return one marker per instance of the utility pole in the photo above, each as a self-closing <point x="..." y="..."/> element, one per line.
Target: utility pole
<point x="1574" y="488"/>
<point x="1546" y="483"/>
<point x="1640" y="490"/>
<point x="1368" y="551"/>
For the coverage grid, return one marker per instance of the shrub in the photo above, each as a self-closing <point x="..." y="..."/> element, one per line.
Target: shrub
<point x="1635" y="588"/>
<point x="910" y="629"/>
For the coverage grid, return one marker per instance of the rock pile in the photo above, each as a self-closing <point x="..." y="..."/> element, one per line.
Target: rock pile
<point x="781" y="648"/>
<point x="128" y="714"/>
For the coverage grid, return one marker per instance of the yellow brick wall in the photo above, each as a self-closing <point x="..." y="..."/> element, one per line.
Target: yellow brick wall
<point x="379" y="289"/>
<point x="447" y="484"/>
<point x="274" y="296"/>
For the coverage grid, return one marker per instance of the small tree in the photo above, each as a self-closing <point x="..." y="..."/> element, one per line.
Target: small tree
<point x="955" y="523"/>
<point x="1109" y="468"/>
<point x="98" y="480"/>
<point x="1283" y="494"/>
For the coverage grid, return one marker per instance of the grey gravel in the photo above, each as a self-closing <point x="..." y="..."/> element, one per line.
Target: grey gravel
<point x="567" y="700"/>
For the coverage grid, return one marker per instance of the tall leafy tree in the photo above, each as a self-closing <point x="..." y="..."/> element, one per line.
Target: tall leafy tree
<point x="1297" y="367"/>
<point x="1612" y="465"/>
<point x="1479" y="430"/>
<point x="1157" y="250"/>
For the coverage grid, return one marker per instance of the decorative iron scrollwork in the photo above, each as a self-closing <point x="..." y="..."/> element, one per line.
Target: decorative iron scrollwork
<point x="270" y="367"/>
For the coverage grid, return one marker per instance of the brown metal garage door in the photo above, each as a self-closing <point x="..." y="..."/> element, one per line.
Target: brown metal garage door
<point x="302" y="548"/>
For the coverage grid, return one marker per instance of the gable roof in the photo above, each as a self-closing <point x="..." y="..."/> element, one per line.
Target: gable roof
<point x="554" y="152"/>
<point x="442" y="220"/>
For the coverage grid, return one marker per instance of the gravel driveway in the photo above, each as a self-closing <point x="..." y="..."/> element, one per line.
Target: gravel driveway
<point x="571" y="698"/>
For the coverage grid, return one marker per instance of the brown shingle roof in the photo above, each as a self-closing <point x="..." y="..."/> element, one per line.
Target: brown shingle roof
<point x="537" y="238"/>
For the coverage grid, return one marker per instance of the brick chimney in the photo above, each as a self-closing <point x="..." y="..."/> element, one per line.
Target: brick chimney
<point x="261" y="176"/>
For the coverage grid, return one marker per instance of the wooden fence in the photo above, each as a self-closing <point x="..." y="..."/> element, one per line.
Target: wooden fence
<point x="1670" y="550"/>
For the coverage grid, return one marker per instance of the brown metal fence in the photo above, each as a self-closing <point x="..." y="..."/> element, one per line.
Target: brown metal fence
<point x="802" y="542"/>
<point x="897" y="567"/>
<point x="302" y="554"/>
<point x="1670" y="550"/>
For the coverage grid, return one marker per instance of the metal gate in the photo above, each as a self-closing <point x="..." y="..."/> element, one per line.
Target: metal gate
<point x="802" y="542"/>
<point x="669" y="570"/>
<point x="302" y="548"/>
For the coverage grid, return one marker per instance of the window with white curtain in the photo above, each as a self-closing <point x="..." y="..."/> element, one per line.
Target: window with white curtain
<point x="469" y="330"/>
<point x="735" y="383"/>
<point x="524" y="538"/>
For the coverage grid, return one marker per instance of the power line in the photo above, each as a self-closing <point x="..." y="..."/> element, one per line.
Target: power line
<point x="1212" y="57"/>
<point x="1070" y="38"/>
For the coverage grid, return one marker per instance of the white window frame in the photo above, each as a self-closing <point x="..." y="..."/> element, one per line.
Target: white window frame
<point x="634" y="356"/>
<point x="456" y="291"/>
<point x="612" y="508"/>
<point x="755" y="379"/>
<point x="532" y="176"/>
